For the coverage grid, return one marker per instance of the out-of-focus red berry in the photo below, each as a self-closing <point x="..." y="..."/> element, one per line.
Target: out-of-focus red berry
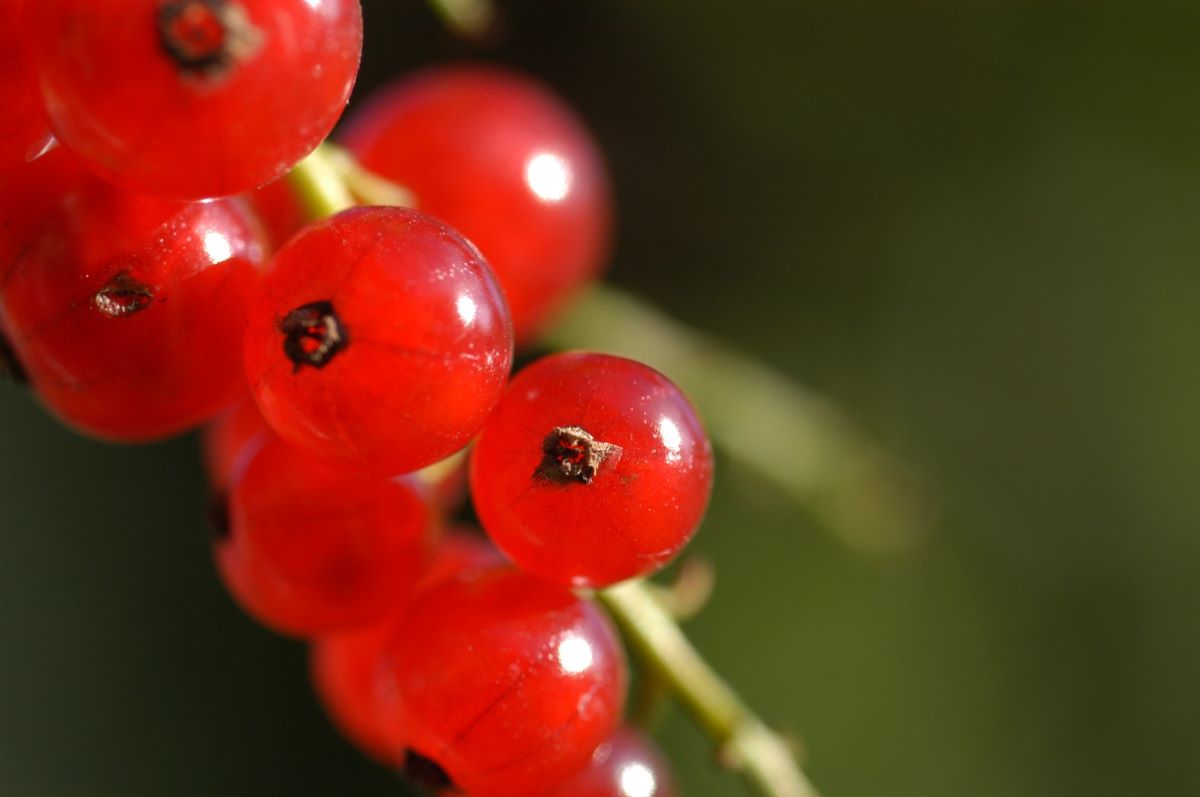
<point x="504" y="684"/>
<point x="194" y="98"/>
<point x="379" y="340"/>
<point x="507" y="164"/>
<point x="311" y="549"/>
<point x="627" y="765"/>
<point x="592" y="469"/>
<point x="345" y="666"/>
<point x="125" y="310"/>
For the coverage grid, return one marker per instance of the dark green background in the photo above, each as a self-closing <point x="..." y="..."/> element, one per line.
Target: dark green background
<point x="972" y="223"/>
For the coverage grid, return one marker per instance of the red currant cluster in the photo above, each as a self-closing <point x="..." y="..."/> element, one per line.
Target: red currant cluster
<point x="152" y="276"/>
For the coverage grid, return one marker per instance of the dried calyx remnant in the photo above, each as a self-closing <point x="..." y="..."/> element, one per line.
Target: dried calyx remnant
<point x="571" y="454"/>
<point x="121" y="296"/>
<point x="218" y="515"/>
<point x="10" y="366"/>
<point x="206" y="37"/>
<point x="424" y="772"/>
<point x="313" y="335"/>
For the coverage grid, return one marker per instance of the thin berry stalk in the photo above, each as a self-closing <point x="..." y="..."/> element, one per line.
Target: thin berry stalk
<point x="744" y="742"/>
<point x="319" y="186"/>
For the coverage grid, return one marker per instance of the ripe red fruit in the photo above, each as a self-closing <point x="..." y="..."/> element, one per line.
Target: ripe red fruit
<point x="592" y="469"/>
<point x="345" y="666"/>
<point x="125" y="310"/>
<point x="311" y="549"/>
<point x="379" y="340"/>
<point x="505" y="162"/>
<point x="505" y="684"/>
<point x="627" y="765"/>
<point x="194" y="98"/>
<point x="23" y="129"/>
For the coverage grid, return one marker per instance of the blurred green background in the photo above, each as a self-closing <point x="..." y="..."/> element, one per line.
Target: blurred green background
<point x="971" y="223"/>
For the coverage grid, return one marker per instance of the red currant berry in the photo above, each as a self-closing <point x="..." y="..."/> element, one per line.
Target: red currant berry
<point x="23" y="130"/>
<point x="126" y="310"/>
<point x="592" y="469"/>
<point x="311" y="549"/>
<point x="379" y="340"/>
<point x="231" y="440"/>
<point x="195" y="98"/>
<point x="506" y="163"/>
<point x="627" y="765"/>
<point x="505" y="684"/>
<point x="346" y="666"/>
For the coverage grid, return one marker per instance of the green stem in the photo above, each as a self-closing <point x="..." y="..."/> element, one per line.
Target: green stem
<point x="470" y="18"/>
<point x="743" y="740"/>
<point x="792" y="437"/>
<point x="319" y="185"/>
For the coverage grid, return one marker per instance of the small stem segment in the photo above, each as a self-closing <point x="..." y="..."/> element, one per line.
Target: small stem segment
<point x="473" y="19"/>
<point x="744" y="742"/>
<point x="319" y="186"/>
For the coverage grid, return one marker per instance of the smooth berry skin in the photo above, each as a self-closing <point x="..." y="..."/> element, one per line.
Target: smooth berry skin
<point x="126" y="310"/>
<point x="346" y="666"/>
<point x="312" y="549"/>
<point x="194" y="98"/>
<point x="505" y="162"/>
<point x="24" y="132"/>
<point x="642" y="505"/>
<point x="423" y="344"/>
<point x="506" y="683"/>
<point x="627" y="765"/>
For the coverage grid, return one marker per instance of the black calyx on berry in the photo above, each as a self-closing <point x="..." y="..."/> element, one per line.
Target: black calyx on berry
<point x="313" y="335"/>
<point x="121" y="296"/>
<point x="10" y="366"/>
<point x="219" y="522"/>
<point x="206" y="37"/>
<point x="571" y="454"/>
<point x="425" y="772"/>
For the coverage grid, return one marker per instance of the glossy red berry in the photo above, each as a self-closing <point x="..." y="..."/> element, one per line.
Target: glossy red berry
<point x="627" y="765"/>
<point x="505" y="162"/>
<point x="195" y="98"/>
<point x="592" y="469"/>
<point x="23" y="129"/>
<point x="346" y="666"/>
<point x="126" y="310"/>
<point x="379" y="340"/>
<point x="505" y="684"/>
<point x="311" y="549"/>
